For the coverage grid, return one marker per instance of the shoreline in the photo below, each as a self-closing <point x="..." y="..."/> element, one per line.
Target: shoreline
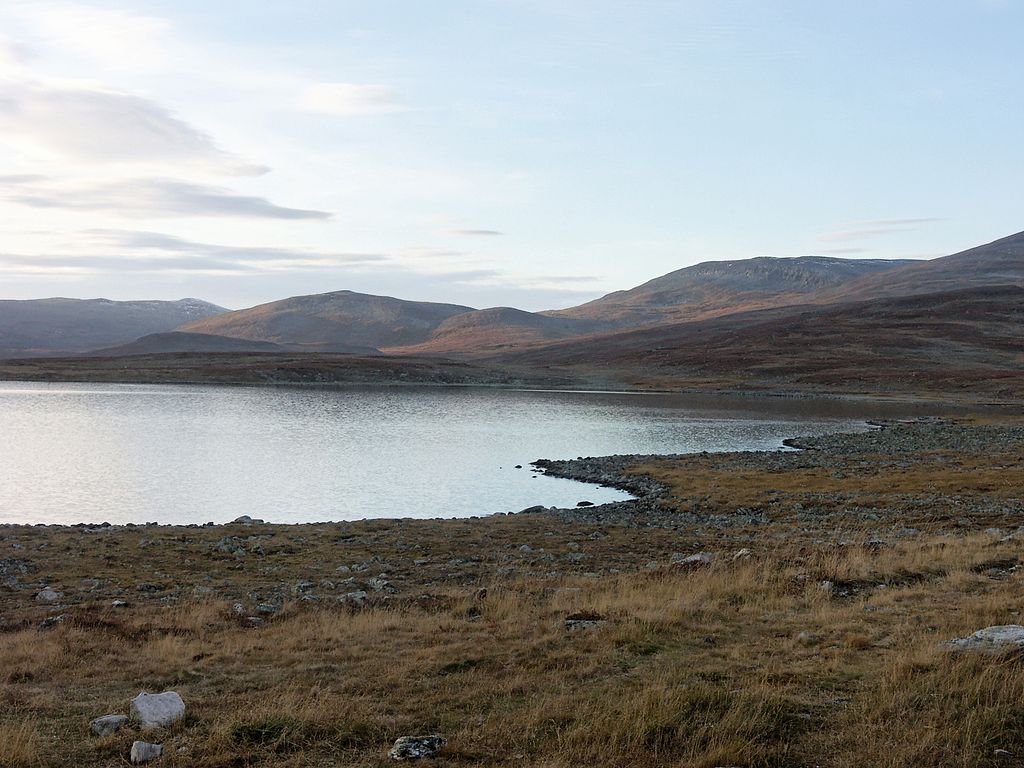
<point x="611" y="471"/>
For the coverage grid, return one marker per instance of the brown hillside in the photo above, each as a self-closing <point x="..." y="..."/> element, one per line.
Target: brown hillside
<point x="338" y="321"/>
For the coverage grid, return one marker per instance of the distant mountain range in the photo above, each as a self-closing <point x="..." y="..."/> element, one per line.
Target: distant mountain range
<point x="72" y="326"/>
<point x="813" y="317"/>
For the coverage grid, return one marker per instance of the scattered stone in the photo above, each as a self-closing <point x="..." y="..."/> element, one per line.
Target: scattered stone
<point x="47" y="595"/>
<point x="246" y="520"/>
<point x="357" y="598"/>
<point x="526" y="549"/>
<point x="144" y="752"/>
<point x="584" y="620"/>
<point x="158" y="710"/>
<point x="119" y="604"/>
<point x="343" y="569"/>
<point x="743" y="554"/>
<point x="807" y="638"/>
<point x="990" y="639"/>
<point x="1002" y="754"/>
<point x="827" y="586"/>
<point x="380" y="584"/>
<point x="417" y="747"/>
<point x="52" y="621"/>
<point x="697" y="560"/>
<point x="108" y="724"/>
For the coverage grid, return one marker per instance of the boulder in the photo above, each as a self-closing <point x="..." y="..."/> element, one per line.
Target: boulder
<point x="416" y="747"/>
<point x="246" y="520"/>
<point x="108" y="724"/>
<point x="158" y="710"/>
<point x="990" y="639"/>
<point x="357" y="598"/>
<point x="144" y="752"/>
<point x="692" y="561"/>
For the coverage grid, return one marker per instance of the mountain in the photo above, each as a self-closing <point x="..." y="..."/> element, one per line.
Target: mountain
<point x="68" y="326"/>
<point x="704" y="290"/>
<point x="486" y="330"/>
<point x="328" y="322"/>
<point x="1000" y="262"/>
<point x="178" y="342"/>
<point x="722" y="287"/>
<point x="925" y="342"/>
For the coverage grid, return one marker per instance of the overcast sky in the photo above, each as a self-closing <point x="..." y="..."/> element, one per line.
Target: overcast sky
<point x="533" y="153"/>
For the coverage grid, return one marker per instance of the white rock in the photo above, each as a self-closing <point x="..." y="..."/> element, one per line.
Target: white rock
<point x="700" y="558"/>
<point x="157" y="710"/>
<point x="47" y="595"/>
<point x="743" y="554"/>
<point x="416" y="747"/>
<point x="990" y="639"/>
<point x="108" y="724"/>
<point x="144" y="752"/>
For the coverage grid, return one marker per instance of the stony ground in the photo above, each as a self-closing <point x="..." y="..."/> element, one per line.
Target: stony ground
<point x="781" y="608"/>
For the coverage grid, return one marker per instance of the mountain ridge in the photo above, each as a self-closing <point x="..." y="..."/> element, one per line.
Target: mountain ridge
<point x="61" y="326"/>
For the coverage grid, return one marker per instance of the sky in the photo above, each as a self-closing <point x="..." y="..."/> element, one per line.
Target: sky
<point x="531" y="153"/>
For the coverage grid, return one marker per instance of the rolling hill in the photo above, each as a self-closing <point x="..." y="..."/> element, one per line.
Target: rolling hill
<point x="486" y="330"/>
<point x="723" y="287"/>
<point x="328" y="322"/>
<point x="1000" y="262"/>
<point x="178" y="342"/>
<point x="69" y="326"/>
<point x="705" y="290"/>
<point x="925" y="342"/>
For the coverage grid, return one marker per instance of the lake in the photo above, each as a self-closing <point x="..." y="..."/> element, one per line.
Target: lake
<point x="190" y="454"/>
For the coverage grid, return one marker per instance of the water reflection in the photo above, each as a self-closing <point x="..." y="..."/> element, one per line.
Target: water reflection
<point x="175" y="454"/>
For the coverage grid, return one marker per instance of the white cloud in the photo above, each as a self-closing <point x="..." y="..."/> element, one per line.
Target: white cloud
<point x="100" y="126"/>
<point x="877" y="228"/>
<point x="110" y="37"/>
<point x="349" y="99"/>
<point x="146" y="198"/>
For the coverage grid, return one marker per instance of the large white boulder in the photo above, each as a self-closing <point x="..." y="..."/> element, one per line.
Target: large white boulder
<point x="990" y="639"/>
<point x="144" y="752"/>
<point x="158" y="710"/>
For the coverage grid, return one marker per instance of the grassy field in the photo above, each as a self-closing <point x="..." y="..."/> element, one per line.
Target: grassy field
<point x="532" y="640"/>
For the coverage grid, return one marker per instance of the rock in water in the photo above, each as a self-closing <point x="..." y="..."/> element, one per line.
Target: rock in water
<point x="157" y="710"/>
<point x="108" y="724"/>
<point x="144" y="752"/>
<point x="990" y="639"/>
<point x="416" y="747"/>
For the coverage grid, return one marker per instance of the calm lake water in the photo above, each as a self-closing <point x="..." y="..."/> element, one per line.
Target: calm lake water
<point x="185" y="454"/>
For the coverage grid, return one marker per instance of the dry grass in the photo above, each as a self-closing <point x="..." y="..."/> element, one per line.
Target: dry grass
<point x="746" y="663"/>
